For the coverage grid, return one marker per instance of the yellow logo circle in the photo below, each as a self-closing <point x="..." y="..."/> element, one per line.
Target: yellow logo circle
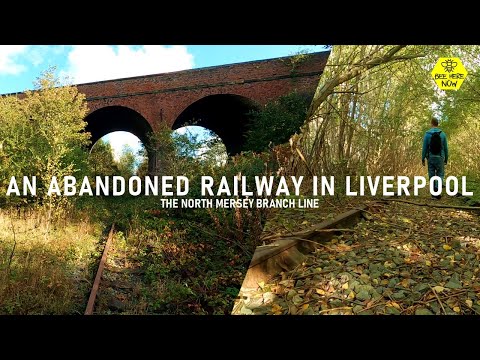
<point x="449" y="73"/>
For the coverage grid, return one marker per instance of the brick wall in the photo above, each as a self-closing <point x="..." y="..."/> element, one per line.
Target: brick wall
<point x="163" y="97"/>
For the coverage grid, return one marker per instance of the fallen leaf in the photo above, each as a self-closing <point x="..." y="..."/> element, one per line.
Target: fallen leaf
<point x="305" y="306"/>
<point x="423" y="311"/>
<point x="395" y="305"/>
<point x="345" y="286"/>
<point x="287" y="283"/>
<point x="469" y="302"/>
<point x="297" y="299"/>
<point x="363" y="295"/>
<point x="246" y="311"/>
<point x="277" y="309"/>
<point x="351" y="296"/>
<point x="291" y="294"/>
<point x="456" y="309"/>
<point x="343" y="247"/>
<point x="438" y="289"/>
<point x="428" y="263"/>
<point x="447" y="247"/>
<point x="261" y="284"/>
<point x="453" y="284"/>
<point x="320" y="291"/>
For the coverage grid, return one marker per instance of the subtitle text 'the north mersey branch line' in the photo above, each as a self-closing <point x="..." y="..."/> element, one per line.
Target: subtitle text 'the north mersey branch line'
<point x="237" y="186"/>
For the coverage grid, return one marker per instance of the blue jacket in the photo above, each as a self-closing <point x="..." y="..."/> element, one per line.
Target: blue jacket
<point x="426" y="144"/>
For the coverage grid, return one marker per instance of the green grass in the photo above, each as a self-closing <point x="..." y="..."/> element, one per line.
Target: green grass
<point x="473" y="185"/>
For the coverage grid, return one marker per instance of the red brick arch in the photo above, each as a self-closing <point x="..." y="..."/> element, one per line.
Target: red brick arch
<point x="163" y="97"/>
<point x="140" y="104"/>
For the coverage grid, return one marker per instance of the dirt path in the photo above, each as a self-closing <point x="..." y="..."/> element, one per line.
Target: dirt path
<point x="404" y="259"/>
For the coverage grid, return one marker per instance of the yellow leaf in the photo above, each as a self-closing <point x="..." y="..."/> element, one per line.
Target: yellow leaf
<point x="261" y="284"/>
<point x="469" y="302"/>
<point x="394" y="304"/>
<point x="345" y="286"/>
<point x="343" y="247"/>
<point x="277" y="309"/>
<point x="447" y="247"/>
<point x="438" y="289"/>
<point x="405" y="283"/>
<point x="456" y="309"/>
<point x="428" y="263"/>
<point x="320" y="292"/>
<point x="351" y="296"/>
<point x="305" y="306"/>
<point x="305" y="222"/>
<point x="405" y="220"/>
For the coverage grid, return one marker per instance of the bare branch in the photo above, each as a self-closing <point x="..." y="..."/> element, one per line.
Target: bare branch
<point x="358" y="69"/>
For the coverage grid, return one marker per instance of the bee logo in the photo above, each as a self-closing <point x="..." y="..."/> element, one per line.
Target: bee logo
<point x="449" y="65"/>
<point x="449" y="73"/>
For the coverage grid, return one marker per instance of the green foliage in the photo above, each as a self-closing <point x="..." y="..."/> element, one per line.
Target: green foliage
<point x="101" y="160"/>
<point x="42" y="134"/>
<point x="277" y="121"/>
<point x="194" y="260"/>
<point x="374" y="120"/>
<point x="298" y="58"/>
<point x="127" y="163"/>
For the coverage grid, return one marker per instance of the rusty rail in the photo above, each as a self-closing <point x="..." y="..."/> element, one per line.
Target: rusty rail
<point x="286" y="253"/>
<point x="98" y="277"/>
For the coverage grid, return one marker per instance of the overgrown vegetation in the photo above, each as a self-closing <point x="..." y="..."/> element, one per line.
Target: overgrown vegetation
<point x="42" y="134"/>
<point x="40" y="275"/>
<point x="277" y="122"/>
<point x="368" y="117"/>
<point x="373" y="105"/>
<point x="192" y="260"/>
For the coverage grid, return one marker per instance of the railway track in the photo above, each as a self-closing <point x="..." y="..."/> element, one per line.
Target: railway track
<point x="98" y="277"/>
<point x="117" y="283"/>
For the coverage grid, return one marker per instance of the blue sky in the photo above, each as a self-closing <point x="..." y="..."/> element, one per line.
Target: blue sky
<point x="20" y="65"/>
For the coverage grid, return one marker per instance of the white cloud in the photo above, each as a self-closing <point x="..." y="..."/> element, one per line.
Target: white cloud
<point x="37" y="54"/>
<point x="87" y="63"/>
<point x="8" y="55"/>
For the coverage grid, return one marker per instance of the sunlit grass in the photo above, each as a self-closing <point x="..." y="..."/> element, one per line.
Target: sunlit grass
<point x="45" y="270"/>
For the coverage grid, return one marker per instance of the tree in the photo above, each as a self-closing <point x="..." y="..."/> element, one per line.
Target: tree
<point x="43" y="134"/>
<point x="276" y="122"/>
<point x="101" y="159"/>
<point x="127" y="163"/>
<point x="373" y="105"/>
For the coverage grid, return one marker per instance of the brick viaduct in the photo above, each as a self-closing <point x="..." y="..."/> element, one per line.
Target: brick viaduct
<point x="215" y="97"/>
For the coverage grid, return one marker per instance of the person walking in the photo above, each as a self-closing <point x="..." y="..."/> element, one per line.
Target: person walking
<point x="435" y="150"/>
